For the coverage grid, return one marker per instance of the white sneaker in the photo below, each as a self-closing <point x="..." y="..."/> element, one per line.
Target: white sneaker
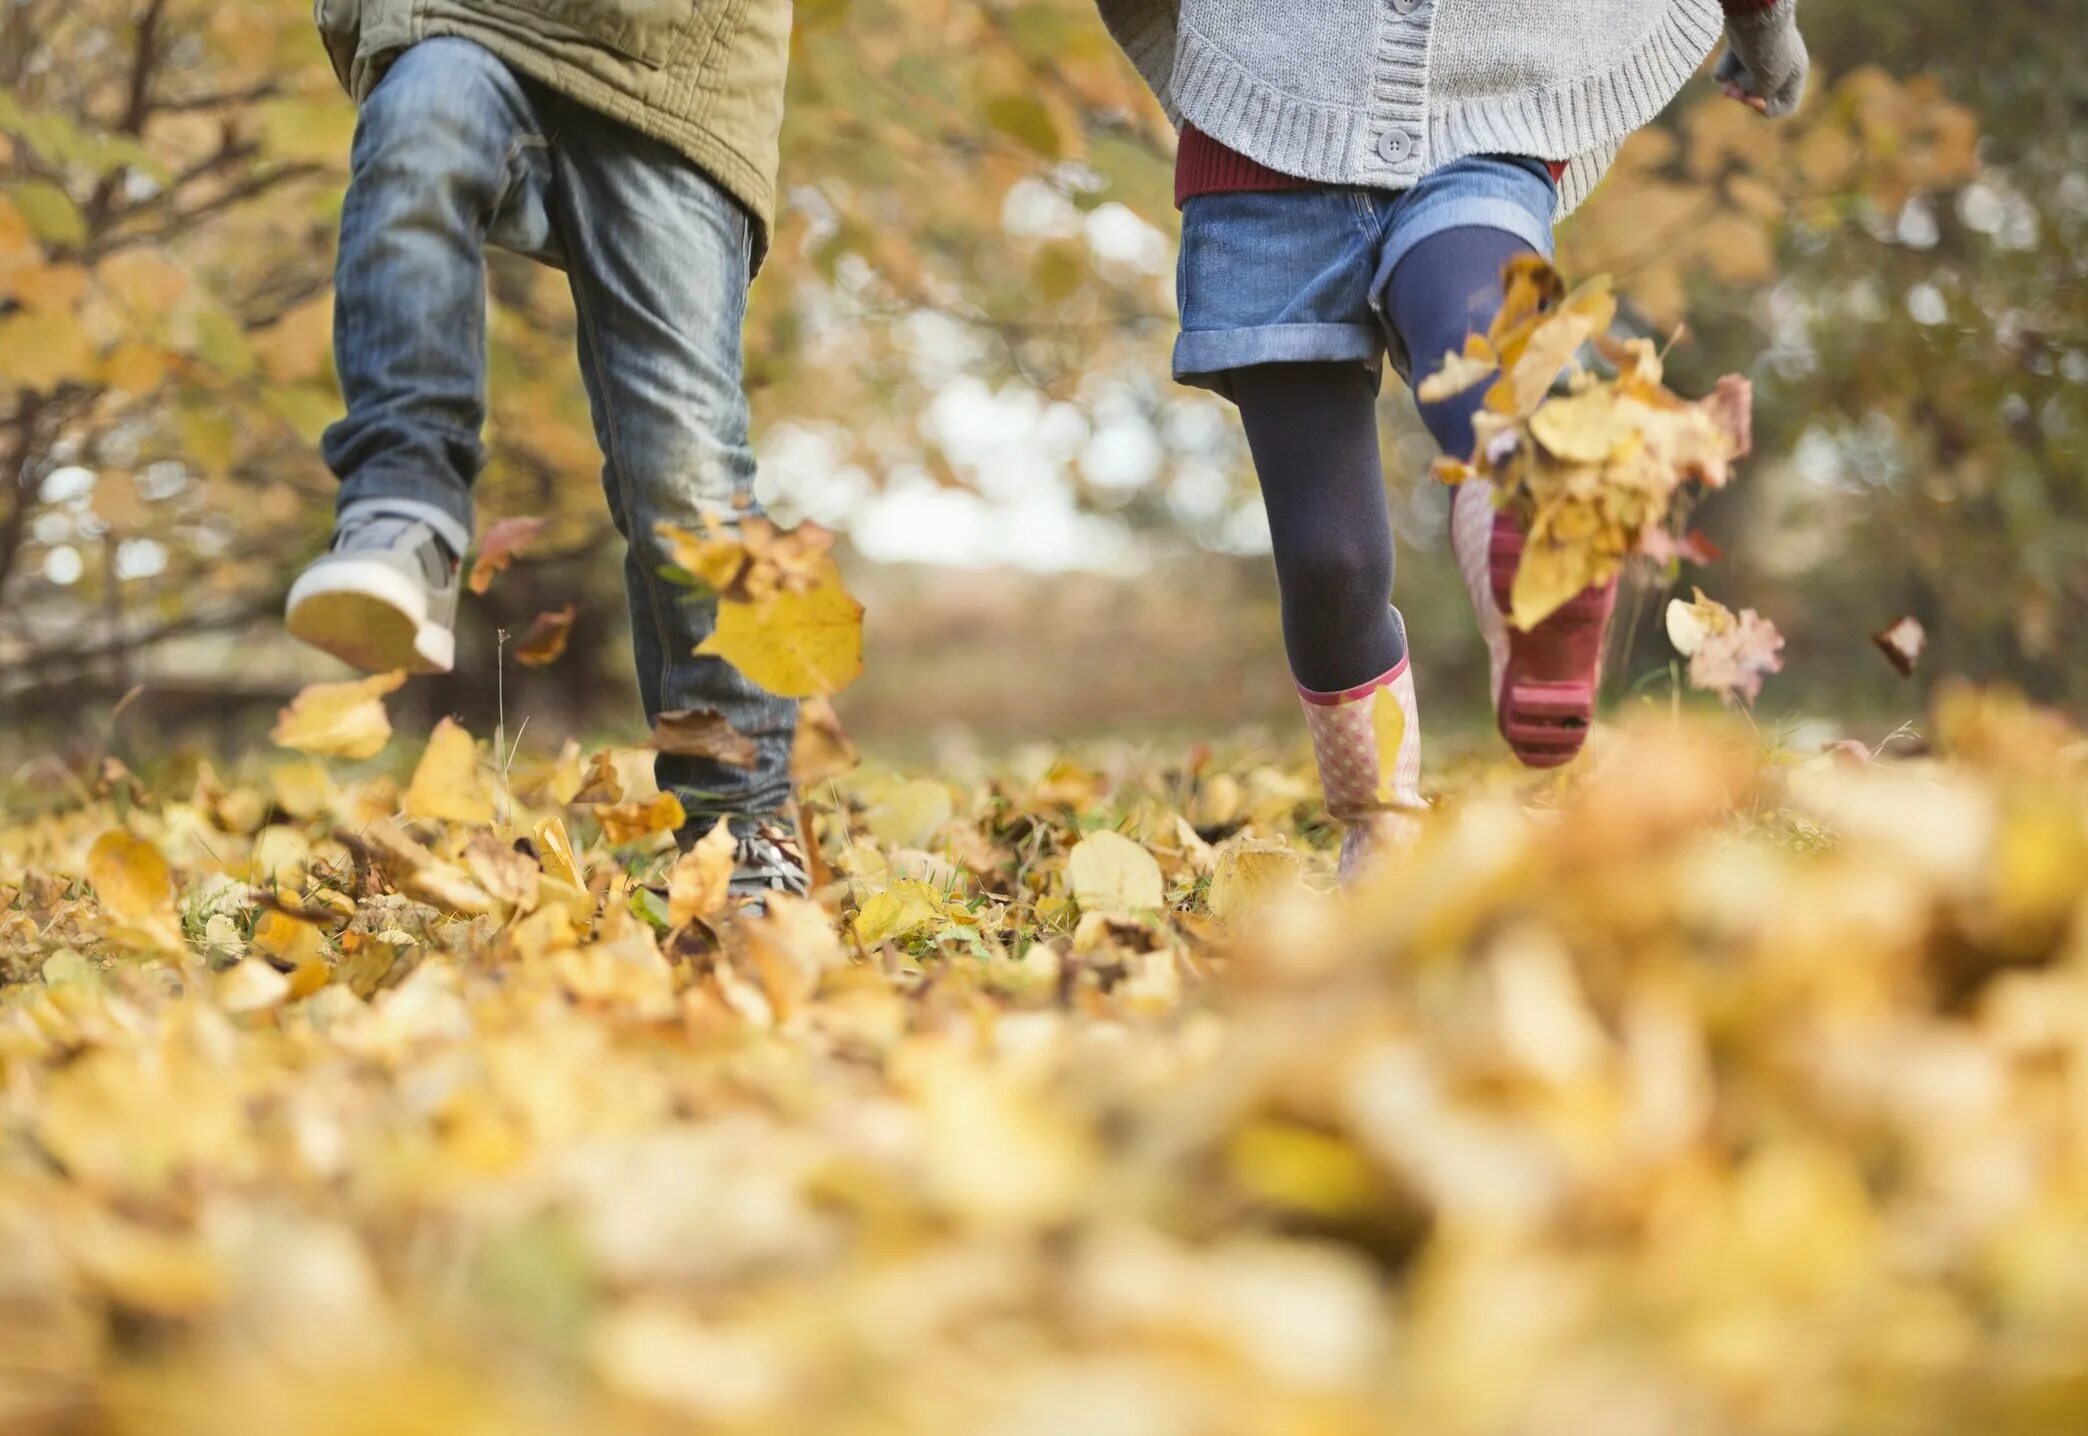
<point x="384" y="595"/>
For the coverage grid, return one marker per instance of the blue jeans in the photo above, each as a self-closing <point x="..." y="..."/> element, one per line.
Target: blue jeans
<point x="453" y="151"/>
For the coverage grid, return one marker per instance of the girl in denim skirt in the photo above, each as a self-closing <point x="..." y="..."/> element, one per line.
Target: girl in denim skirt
<point x="1352" y="176"/>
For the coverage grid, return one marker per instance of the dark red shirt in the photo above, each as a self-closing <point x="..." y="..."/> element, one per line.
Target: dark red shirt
<point x="1203" y="166"/>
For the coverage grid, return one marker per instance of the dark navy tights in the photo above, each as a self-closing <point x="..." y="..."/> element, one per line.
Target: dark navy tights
<point x="1313" y="431"/>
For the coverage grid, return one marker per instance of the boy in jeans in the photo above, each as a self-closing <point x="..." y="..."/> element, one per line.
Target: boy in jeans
<point x="632" y="143"/>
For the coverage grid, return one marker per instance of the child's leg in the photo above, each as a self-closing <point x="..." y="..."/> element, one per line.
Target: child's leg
<point x="1449" y="286"/>
<point x="1544" y="681"/>
<point x="435" y="148"/>
<point x="660" y="259"/>
<point x="1313" y="431"/>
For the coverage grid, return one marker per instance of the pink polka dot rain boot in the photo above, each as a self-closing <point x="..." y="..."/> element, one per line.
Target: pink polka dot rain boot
<point x="1367" y="741"/>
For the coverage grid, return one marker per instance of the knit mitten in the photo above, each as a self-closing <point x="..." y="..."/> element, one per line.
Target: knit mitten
<point x="1765" y="54"/>
<point x="1367" y="742"/>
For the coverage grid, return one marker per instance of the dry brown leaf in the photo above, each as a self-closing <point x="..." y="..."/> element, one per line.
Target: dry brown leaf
<point x="505" y="541"/>
<point x="545" y="642"/>
<point x="703" y="733"/>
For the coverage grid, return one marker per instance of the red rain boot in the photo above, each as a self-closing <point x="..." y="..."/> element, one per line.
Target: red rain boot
<point x="1544" y="681"/>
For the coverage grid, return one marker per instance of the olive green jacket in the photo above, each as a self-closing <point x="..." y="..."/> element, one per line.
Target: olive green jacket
<point x="705" y="76"/>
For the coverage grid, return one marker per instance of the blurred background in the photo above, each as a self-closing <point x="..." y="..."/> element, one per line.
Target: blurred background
<point x="958" y="357"/>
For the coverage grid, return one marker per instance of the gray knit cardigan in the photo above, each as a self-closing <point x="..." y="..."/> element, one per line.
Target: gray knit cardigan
<point x="1380" y="92"/>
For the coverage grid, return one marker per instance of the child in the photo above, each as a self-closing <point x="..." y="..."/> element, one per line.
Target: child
<point x="633" y="144"/>
<point x="1352" y="175"/>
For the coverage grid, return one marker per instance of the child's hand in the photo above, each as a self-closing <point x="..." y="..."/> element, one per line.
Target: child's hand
<point x="1765" y="63"/>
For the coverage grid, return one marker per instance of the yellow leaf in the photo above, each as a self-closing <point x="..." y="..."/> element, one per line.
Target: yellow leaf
<point x="340" y="720"/>
<point x="901" y="911"/>
<point x="282" y="937"/>
<point x="910" y="815"/>
<point x="628" y="822"/>
<point x="1547" y="578"/>
<point x="795" y="645"/>
<point x="1580" y="428"/>
<point x="713" y="557"/>
<point x="252" y="986"/>
<point x="1458" y="372"/>
<point x="129" y="874"/>
<point x="446" y="785"/>
<point x="1109" y="873"/>
<point x="135" y="368"/>
<point x="45" y="349"/>
<point x="1249" y="874"/>
<point x="143" y="281"/>
<point x="1025" y="119"/>
<point x="50" y="288"/>
<point x="295" y="348"/>
<point x="1534" y="363"/>
<point x="822" y="749"/>
<point x="555" y="852"/>
<point x="701" y="878"/>
<point x="503" y="872"/>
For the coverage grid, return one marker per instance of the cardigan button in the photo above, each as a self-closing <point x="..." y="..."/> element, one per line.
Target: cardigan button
<point x="1394" y="146"/>
<point x="1406" y="7"/>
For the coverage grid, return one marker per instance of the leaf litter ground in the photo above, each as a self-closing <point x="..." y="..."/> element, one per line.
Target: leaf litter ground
<point x="1705" y="1089"/>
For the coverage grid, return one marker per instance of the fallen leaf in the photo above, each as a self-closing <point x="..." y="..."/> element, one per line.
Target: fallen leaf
<point x="555" y="850"/>
<point x="339" y="720"/>
<point x="130" y="875"/>
<point x="1901" y="641"/>
<point x="1458" y="371"/>
<point x="502" y="871"/>
<point x="1729" y="653"/>
<point x="1107" y="872"/>
<point x="1580" y="428"/>
<point x="601" y="783"/>
<point x="505" y="541"/>
<point x="822" y="750"/>
<point x="795" y="645"/>
<point x="700" y="880"/>
<point x="703" y="733"/>
<point x="628" y="822"/>
<point x="447" y="786"/>
<point x="545" y="642"/>
<point x="911" y="814"/>
<point x="251" y="985"/>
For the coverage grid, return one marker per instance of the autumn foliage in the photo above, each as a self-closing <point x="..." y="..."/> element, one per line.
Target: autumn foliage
<point x="1737" y="1077"/>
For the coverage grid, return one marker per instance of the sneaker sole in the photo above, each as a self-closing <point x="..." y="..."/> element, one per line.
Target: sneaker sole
<point x="369" y="616"/>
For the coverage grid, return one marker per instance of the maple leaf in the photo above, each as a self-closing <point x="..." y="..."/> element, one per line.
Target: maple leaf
<point x="1729" y="653"/>
<point x="794" y="644"/>
<point x="505" y="541"/>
